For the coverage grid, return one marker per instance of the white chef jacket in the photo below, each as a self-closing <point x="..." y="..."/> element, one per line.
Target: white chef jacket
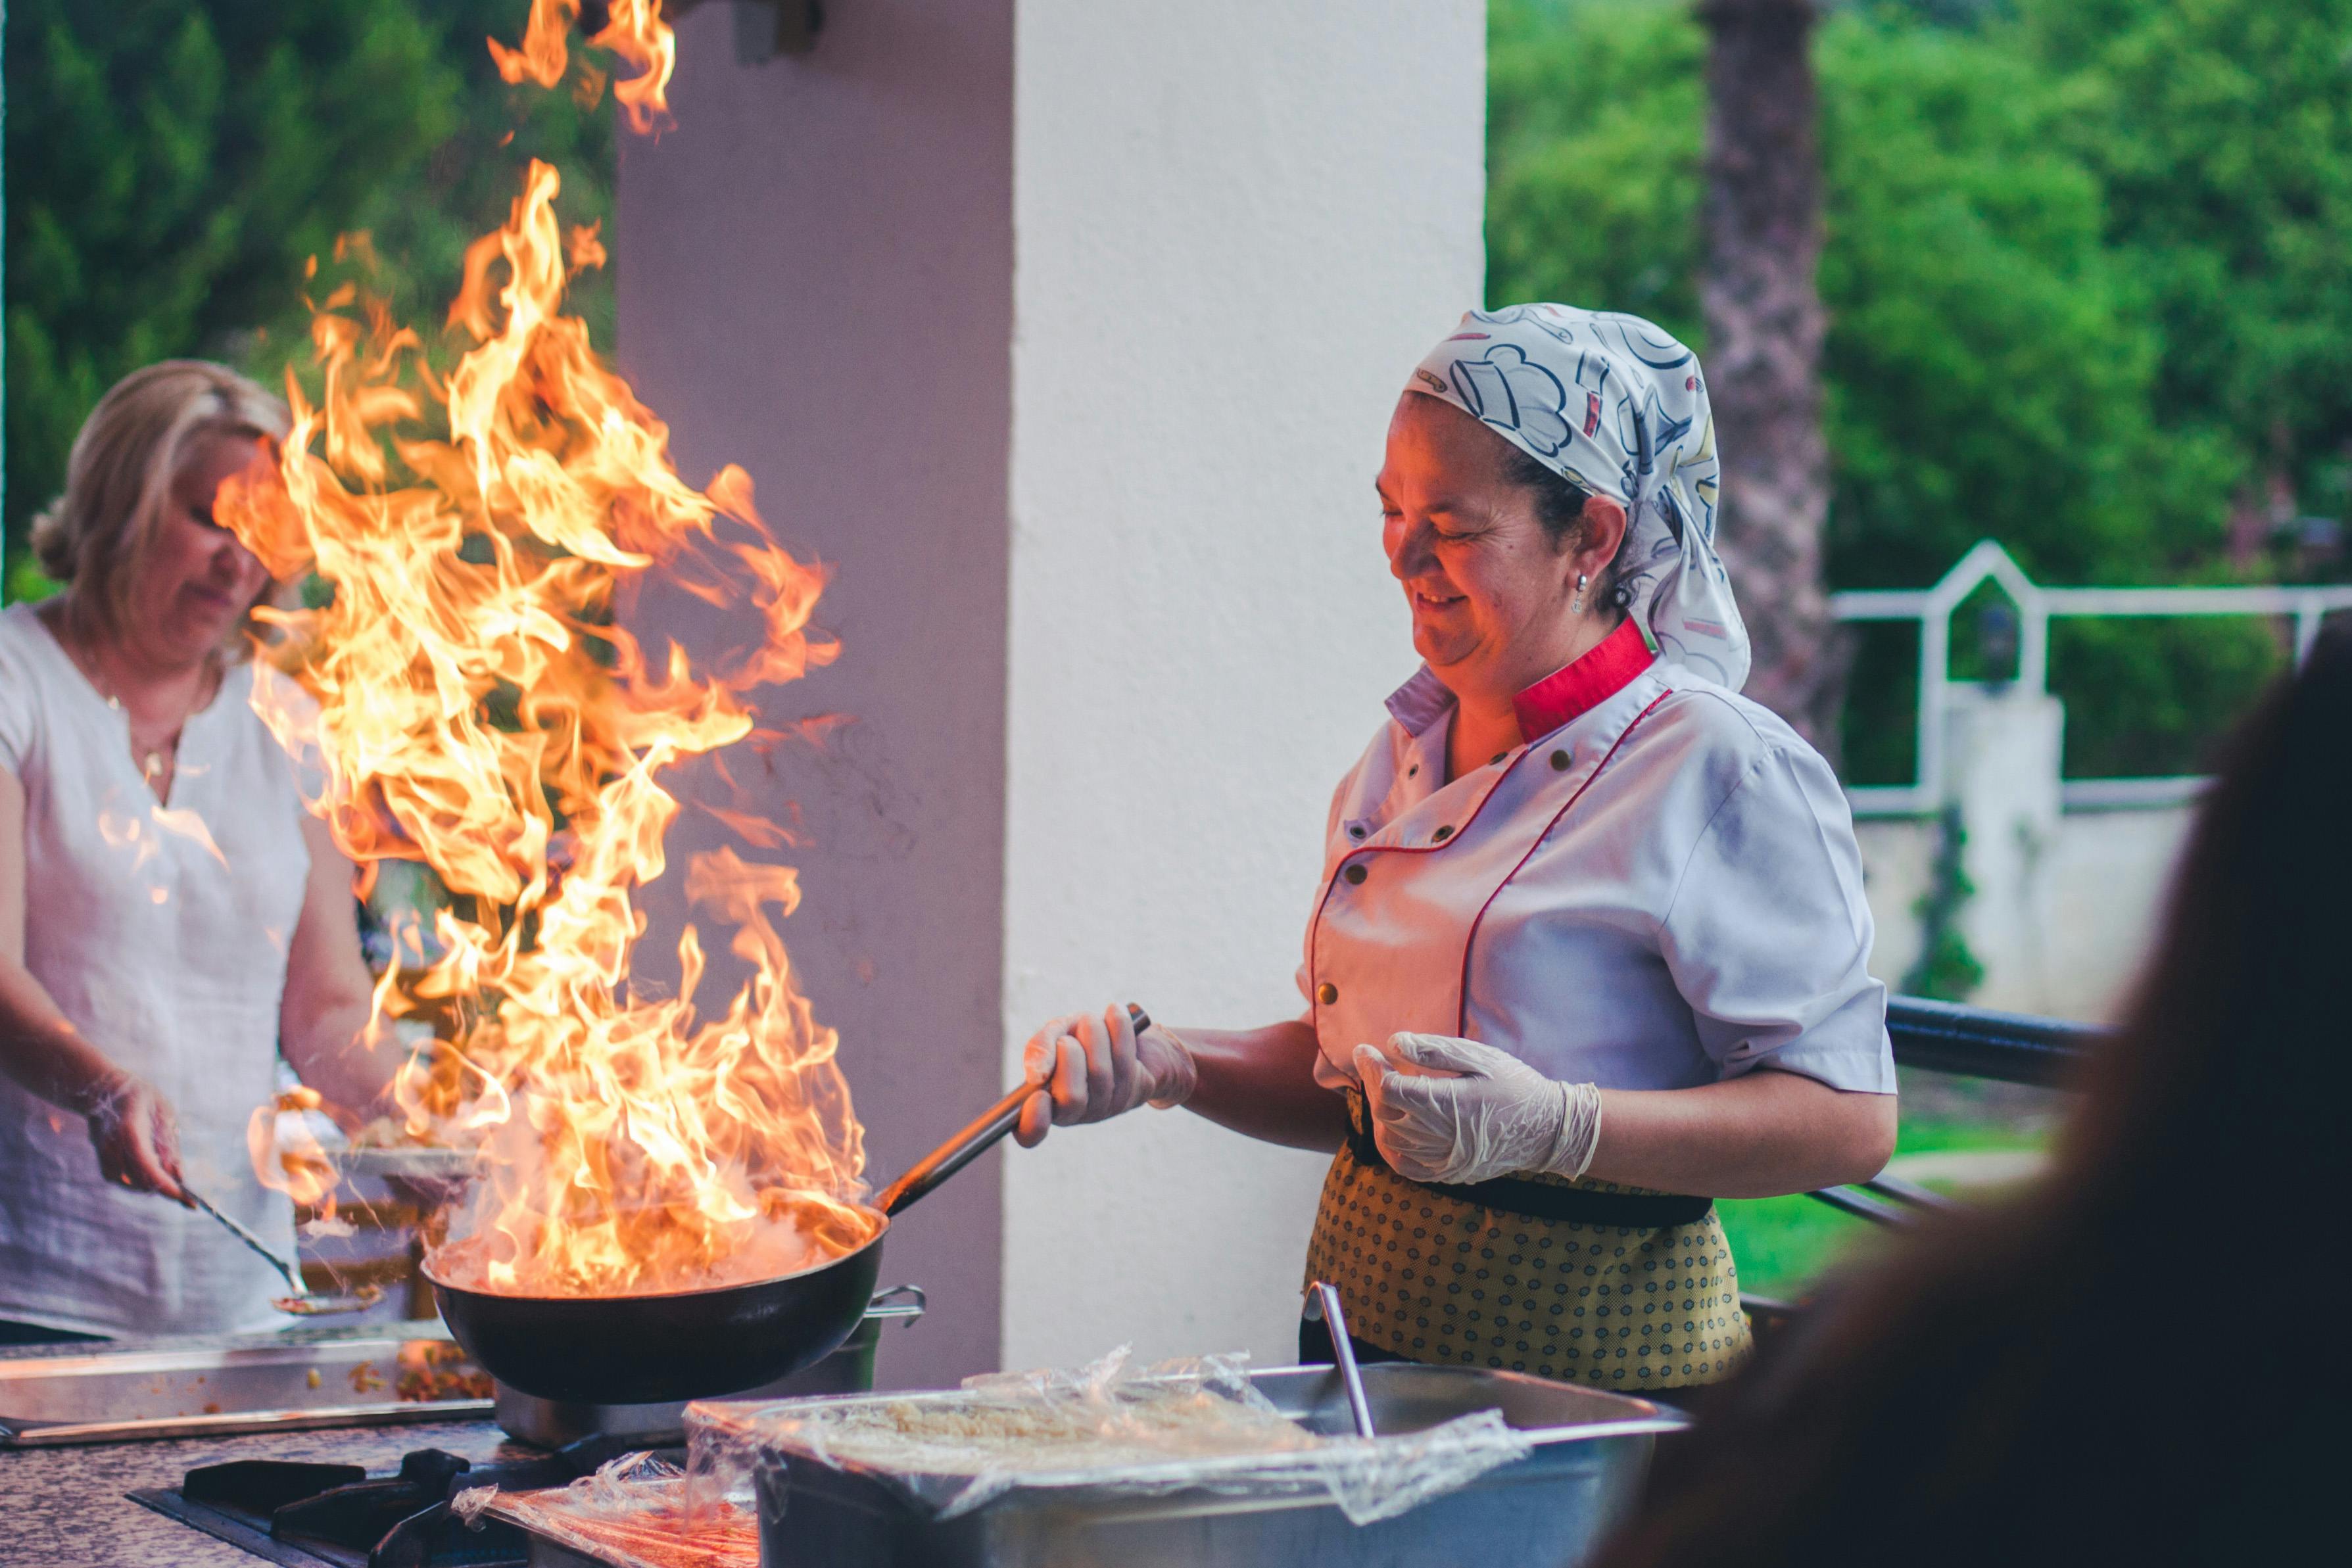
<point x="161" y="932"/>
<point x="1658" y="888"/>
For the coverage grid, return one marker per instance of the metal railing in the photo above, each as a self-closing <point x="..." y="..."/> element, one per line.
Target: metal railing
<point x="1971" y="1042"/>
<point x="1932" y="608"/>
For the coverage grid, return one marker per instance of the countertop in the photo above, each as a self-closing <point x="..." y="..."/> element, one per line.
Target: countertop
<point x="67" y="1508"/>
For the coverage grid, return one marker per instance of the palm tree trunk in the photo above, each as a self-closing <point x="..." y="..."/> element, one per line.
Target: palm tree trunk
<point x="1764" y="324"/>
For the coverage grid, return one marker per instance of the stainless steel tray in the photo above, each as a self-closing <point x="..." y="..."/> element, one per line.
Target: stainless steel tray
<point x="1551" y="1507"/>
<point x="416" y="1161"/>
<point x="114" y="1395"/>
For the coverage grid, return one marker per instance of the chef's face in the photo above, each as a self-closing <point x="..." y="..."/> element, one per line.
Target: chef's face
<point x="194" y="582"/>
<point x="1488" y="587"/>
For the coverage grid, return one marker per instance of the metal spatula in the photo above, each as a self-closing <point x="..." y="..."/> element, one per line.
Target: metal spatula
<point x="304" y="1301"/>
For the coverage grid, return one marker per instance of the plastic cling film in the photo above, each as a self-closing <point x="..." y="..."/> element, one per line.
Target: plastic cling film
<point x="633" y="1512"/>
<point x="1107" y="1430"/>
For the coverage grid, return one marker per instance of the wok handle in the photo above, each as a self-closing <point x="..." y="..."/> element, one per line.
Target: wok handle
<point x="973" y="1142"/>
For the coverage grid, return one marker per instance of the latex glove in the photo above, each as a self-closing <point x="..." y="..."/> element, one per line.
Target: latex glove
<point x="1490" y="1115"/>
<point x="1097" y="1068"/>
<point x="137" y="1139"/>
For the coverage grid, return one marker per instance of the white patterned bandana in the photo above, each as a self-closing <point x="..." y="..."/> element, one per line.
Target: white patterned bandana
<point x="1613" y="404"/>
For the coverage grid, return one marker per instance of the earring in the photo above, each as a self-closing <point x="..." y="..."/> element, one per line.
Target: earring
<point x="1576" y="605"/>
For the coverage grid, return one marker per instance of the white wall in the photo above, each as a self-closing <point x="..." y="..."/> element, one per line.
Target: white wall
<point x="2109" y="882"/>
<point x="2103" y="887"/>
<point x="1898" y="868"/>
<point x="1237" y="224"/>
<point x="815" y="274"/>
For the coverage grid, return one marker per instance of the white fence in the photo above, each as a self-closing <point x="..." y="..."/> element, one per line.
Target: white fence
<point x="2037" y="606"/>
<point x="2050" y="885"/>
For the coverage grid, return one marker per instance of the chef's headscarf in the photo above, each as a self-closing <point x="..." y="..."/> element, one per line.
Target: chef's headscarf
<point x="1614" y="405"/>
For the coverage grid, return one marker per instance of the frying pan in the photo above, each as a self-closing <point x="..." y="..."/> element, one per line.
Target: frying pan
<point x="698" y="1344"/>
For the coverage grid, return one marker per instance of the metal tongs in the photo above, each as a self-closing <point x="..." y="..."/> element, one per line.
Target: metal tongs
<point x="304" y="1301"/>
<point x="1323" y="1302"/>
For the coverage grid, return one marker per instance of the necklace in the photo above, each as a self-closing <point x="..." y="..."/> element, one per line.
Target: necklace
<point x="156" y="759"/>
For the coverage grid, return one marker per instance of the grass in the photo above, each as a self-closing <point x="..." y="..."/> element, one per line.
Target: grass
<point x="1782" y="1245"/>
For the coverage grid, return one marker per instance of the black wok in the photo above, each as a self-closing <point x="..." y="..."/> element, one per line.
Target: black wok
<point x="698" y="1345"/>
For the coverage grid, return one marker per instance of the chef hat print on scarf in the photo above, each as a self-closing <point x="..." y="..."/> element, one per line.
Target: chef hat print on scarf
<point x="1613" y="404"/>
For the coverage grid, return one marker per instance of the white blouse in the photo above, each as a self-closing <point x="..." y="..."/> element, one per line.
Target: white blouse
<point x="161" y="932"/>
<point x="1659" y="889"/>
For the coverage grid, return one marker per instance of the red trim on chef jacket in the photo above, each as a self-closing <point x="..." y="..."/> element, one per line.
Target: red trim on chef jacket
<point x="1599" y="674"/>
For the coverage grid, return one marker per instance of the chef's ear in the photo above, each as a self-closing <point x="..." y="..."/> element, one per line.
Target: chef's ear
<point x="1600" y="537"/>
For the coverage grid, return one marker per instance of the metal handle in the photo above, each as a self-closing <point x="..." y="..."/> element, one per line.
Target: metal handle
<point x="293" y="1275"/>
<point x="1323" y="1301"/>
<point x="975" y="1139"/>
<point x="902" y="1303"/>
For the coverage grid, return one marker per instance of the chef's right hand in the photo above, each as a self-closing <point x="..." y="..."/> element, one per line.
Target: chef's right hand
<point x="137" y="1139"/>
<point x="1095" y="1068"/>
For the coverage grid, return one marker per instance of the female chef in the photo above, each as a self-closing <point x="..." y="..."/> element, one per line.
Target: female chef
<point x="1589" y="949"/>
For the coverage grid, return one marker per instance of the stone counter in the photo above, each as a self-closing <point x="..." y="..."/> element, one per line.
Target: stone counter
<point x="67" y="1508"/>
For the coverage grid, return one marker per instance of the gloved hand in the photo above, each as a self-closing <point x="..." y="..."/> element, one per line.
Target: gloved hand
<point x="1491" y="1115"/>
<point x="1098" y="1067"/>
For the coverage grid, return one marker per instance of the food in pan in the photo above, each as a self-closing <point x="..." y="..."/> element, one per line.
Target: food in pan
<point x="1140" y="1425"/>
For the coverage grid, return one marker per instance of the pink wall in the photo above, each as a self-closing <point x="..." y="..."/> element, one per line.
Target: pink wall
<point x="815" y="271"/>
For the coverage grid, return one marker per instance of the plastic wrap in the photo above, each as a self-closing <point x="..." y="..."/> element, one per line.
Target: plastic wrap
<point x="1107" y="1429"/>
<point x="632" y="1513"/>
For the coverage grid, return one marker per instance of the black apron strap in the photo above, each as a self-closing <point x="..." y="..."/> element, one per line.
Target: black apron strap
<point x="1536" y="1200"/>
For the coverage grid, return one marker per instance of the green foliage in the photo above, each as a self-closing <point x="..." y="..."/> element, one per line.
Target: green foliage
<point x="2221" y="131"/>
<point x="2189" y="679"/>
<point x="1988" y="376"/>
<point x="1945" y="971"/>
<point x="173" y="166"/>
<point x="1594" y="117"/>
<point x="2088" y="270"/>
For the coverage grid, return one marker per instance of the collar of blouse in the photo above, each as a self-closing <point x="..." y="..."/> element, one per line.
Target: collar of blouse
<point x="1568" y="692"/>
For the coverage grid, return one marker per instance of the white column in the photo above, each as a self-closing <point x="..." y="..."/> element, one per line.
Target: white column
<point x="2001" y="759"/>
<point x="1237" y="224"/>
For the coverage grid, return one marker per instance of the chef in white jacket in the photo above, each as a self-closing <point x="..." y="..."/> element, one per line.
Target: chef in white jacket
<point x="1590" y="948"/>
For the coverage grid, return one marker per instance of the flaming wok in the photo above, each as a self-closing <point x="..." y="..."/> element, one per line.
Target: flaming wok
<point x="698" y="1344"/>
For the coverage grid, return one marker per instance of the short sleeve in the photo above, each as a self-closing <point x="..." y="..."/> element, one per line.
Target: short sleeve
<point x="19" y="715"/>
<point x="1768" y="935"/>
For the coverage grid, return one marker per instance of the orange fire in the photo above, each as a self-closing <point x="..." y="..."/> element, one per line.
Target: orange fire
<point x="482" y="708"/>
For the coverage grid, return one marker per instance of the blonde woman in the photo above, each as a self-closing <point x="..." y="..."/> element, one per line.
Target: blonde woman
<point x="170" y="915"/>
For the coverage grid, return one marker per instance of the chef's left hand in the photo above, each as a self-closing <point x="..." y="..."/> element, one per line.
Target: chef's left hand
<point x="1493" y="1115"/>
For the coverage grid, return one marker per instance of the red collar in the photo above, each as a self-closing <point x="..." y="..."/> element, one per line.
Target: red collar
<point x="1597" y="675"/>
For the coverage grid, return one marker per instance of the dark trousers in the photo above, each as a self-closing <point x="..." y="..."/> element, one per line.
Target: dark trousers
<point x="1315" y="1347"/>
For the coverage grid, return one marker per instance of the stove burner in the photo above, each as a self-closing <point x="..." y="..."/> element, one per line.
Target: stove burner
<point x="306" y="1515"/>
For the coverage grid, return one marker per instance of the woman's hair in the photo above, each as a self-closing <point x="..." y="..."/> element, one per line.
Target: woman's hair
<point x="2140" y="1359"/>
<point x="120" y="470"/>
<point x="1559" y="508"/>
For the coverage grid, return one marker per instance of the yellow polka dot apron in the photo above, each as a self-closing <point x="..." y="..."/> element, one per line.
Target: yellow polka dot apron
<point x="1435" y="1276"/>
<point x="1608" y="1286"/>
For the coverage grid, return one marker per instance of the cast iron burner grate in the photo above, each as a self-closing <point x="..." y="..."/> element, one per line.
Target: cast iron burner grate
<point x="306" y="1515"/>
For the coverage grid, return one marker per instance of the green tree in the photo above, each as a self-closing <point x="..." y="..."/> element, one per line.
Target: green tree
<point x="1594" y="117"/>
<point x="1991" y="373"/>
<point x="2221" y="131"/>
<point x="1990" y="370"/>
<point x="172" y="167"/>
<point x="1996" y="365"/>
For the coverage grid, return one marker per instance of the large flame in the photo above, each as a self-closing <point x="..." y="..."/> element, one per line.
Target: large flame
<point x="480" y="708"/>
